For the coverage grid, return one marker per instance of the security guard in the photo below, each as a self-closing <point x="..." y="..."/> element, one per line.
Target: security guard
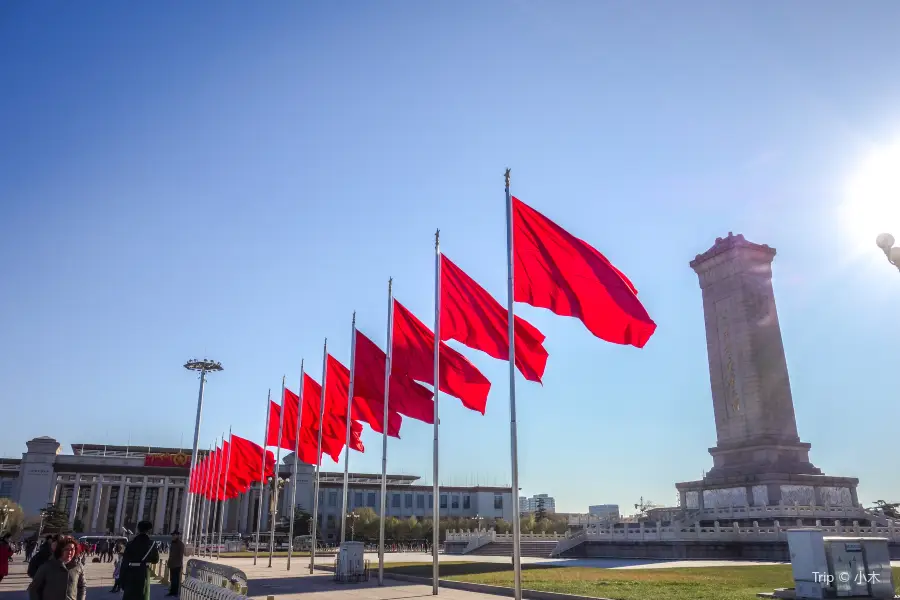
<point x="134" y="575"/>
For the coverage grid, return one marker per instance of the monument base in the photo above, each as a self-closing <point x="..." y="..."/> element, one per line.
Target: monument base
<point x="768" y="489"/>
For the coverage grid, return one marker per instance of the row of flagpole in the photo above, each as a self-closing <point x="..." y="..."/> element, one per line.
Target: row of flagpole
<point x="212" y="508"/>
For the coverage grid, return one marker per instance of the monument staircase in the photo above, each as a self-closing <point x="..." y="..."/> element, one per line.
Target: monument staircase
<point x="533" y="548"/>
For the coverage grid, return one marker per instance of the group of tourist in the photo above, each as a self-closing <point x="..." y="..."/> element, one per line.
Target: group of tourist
<point x="57" y="567"/>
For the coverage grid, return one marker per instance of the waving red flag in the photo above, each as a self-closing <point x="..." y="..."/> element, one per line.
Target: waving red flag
<point x="246" y="460"/>
<point x="413" y="357"/>
<point x="209" y="485"/>
<point x="371" y="412"/>
<point x="333" y="431"/>
<point x="407" y="397"/>
<point x="289" y="432"/>
<point x="556" y="270"/>
<point x="470" y="315"/>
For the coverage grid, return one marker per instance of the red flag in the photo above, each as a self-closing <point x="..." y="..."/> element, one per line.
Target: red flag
<point x="209" y="485"/>
<point x="470" y="315"/>
<point x="363" y="409"/>
<point x="289" y="431"/>
<point x="558" y="271"/>
<point x="407" y="397"/>
<point x="246" y="460"/>
<point x="414" y="357"/>
<point x="333" y="431"/>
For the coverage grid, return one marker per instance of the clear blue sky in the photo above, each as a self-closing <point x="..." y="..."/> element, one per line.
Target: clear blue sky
<point x="218" y="179"/>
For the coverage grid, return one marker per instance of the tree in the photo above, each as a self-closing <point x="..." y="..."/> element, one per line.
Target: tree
<point x="891" y="509"/>
<point x="643" y="508"/>
<point x="541" y="513"/>
<point x="302" y="522"/>
<point x="55" y="520"/>
<point x="12" y="518"/>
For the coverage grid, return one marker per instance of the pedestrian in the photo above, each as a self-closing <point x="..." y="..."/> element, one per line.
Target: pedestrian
<point x="61" y="577"/>
<point x="6" y="554"/>
<point x="176" y="563"/>
<point x="134" y="574"/>
<point x="44" y="553"/>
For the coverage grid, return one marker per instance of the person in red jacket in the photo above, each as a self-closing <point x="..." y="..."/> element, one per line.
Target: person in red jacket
<point x="6" y="552"/>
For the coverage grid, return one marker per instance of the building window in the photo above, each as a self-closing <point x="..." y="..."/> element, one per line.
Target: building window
<point x="454" y="503"/>
<point x="498" y="502"/>
<point x="370" y="500"/>
<point x="395" y="501"/>
<point x="322" y="497"/>
<point x="330" y="521"/>
<point x="407" y="501"/>
<point x="443" y="500"/>
<point x="467" y="502"/>
<point x="430" y="501"/>
<point x="357" y="499"/>
<point x="332" y="498"/>
<point x="420" y="500"/>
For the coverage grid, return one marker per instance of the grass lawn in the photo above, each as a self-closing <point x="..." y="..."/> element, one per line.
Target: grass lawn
<point x="691" y="583"/>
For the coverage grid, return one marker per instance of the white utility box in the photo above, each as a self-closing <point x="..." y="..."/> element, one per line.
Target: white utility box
<point x="808" y="561"/>
<point x="351" y="563"/>
<point x="838" y="567"/>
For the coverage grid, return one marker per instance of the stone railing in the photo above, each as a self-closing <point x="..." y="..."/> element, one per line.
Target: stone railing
<point x="730" y="513"/>
<point x="491" y="535"/>
<point x="725" y="532"/>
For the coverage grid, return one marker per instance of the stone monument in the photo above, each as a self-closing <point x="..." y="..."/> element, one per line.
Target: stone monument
<point x="758" y="459"/>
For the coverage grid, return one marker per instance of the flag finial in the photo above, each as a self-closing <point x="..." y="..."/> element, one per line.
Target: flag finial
<point x="506" y="176"/>
<point x="437" y="237"/>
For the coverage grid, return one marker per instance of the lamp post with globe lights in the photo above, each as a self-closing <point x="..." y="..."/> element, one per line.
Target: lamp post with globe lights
<point x="204" y="366"/>
<point x="885" y="241"/>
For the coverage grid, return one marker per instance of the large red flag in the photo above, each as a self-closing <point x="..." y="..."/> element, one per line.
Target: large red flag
<point x="246" y="460"/>
<point x="556" y="270"/>
<point x="470" y="315"/>
<point x="333" y="431"/>
<point x="363" y="409"/>
<point x="413" y="357"/>
<point x="209" y="485"/>
<point x="288" y="437"/>
<point x="407" y="397"/>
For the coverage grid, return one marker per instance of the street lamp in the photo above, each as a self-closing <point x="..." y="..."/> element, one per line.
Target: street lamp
<point x="204" y="366"/>
<point x="885" y="241"/>
<point x="353" y="517"/>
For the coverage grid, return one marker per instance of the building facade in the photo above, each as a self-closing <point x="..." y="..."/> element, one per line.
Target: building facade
<point x="531" y="505"/>
<point x="107" y="488"/>
<point x="604" y="511"/>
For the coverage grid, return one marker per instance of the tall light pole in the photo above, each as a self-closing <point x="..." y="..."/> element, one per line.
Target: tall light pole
<point x="203" y="366"/>
<point x="885" y="241"/>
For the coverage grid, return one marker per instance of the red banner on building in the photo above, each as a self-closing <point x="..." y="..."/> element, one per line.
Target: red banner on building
<point x="167" y="460"/>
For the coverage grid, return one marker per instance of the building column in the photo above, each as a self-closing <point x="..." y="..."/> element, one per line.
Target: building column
<point x="106" y="492"/>
<point x="94" y="508"/>
<point x="140" y="510"/>
<point x="264" y="506"/>
<point x="74" y="508"/>
<point x="245" y="510"/>
<point x="160" y="518"/>
<point x="120" y="506"/>
<point x="176" y="495"/>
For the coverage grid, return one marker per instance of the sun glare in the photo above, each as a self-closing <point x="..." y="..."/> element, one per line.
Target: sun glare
<point x="872" y="199"/>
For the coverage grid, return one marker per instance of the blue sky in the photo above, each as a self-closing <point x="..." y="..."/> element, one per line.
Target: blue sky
<point x="214" y="179"/>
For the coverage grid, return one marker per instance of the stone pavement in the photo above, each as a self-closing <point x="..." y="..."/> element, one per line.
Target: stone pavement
<point x="98" y="576"/>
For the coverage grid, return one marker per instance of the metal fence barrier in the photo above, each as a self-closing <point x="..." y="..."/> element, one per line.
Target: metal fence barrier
<point x="218" y="575"/>
<point x="342" y="577"/>
<point x="194" y="589"/>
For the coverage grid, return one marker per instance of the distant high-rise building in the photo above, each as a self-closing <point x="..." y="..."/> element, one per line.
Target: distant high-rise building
<point x="604" y="511"/>
<point x="531" y="505"/>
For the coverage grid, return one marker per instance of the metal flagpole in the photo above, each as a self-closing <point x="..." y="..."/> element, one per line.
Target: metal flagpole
<point x="275" y="478"/>
<point x="262" y="478"/>
<point x="296" y="470"/>
<point x="387" y="396"/>
<point x="513" y="438"/>
<point x="204" y="506"/>
<point x="204" y="366"/>
<point x="347" y="448"/>
<point x="435" y="510"/>
<point x="209" y="526"/>
<point x="315" y="516"/>
<point x="224" y="495"/>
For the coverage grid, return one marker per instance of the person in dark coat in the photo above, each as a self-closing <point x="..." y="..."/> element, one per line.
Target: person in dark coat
<point x="134" y="575"/>
<point x="42" y="555"/>
<point x="176" y="563"/>
<point x="61" y="577"/>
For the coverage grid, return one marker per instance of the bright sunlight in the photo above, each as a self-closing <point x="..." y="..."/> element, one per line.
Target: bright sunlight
<point x="872" y="199"/>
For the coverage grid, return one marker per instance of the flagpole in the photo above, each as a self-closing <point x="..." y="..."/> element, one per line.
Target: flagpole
<point x="435" y="510"/>
<point x="204" y="504"/>
<point x="198" y="491"/>
<point x="262" y="477"/>
<point x="347" y="448"/>
<point x="214" y="506"/>
<point x="387" y="395"/>
<point x="275" y="477"/>
<point x="513" y="436"/>
<point x="224" y="496"/>
<point x="296" y="463"/>
<point x="315" y="516"/>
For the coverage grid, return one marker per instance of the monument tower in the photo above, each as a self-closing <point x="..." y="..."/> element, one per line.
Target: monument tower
<point x="758" y="458"/>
